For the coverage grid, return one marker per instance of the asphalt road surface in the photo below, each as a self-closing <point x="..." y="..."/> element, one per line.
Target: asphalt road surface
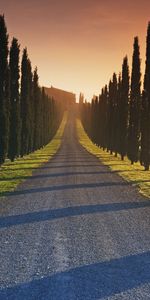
<point x="74" y="230"/>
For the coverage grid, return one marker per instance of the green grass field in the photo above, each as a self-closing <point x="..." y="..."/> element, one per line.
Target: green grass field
<point x="133" y="173"/>
<point x="13" y="173"/>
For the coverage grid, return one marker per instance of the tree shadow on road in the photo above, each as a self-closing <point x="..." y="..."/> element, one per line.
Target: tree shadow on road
<point x="69" y="187"/>
<point x="50" y="166"/>
<point x="93" y="281"/>
<point x="51" y="175"/>
<point x="59" y="213"/>
<point x="65" y="174"/>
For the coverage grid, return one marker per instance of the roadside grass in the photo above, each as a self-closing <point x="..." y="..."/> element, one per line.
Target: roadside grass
<point x="13" y="173"/>
<point x="132" y="173"/>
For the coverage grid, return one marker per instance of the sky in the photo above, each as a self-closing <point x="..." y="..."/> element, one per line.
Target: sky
<point x="77" y="44"/>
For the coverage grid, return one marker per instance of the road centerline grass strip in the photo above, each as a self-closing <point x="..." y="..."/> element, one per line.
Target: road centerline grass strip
<point x="132" y="173"/>
<point x="13" y="173"/>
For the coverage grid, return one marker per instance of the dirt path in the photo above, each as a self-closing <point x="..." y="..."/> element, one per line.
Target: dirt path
<point x="75" y="230"/>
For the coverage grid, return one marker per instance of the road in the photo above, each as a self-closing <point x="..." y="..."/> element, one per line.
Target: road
<point x="74" y="230"/>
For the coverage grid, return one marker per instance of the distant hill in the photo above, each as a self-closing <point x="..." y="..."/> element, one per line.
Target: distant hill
<point x="65" y="98"/>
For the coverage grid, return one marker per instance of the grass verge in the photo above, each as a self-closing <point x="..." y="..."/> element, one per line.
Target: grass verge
<point x="132" y="173"/>
<point x="13" y="173"/>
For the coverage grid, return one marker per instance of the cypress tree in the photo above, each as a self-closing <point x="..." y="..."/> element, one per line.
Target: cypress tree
<point x="135" y="99"/>
<point x="41" y="118"/>
<point x="95" y="120"/>
<point x="117" y="117"/>
<point x="37" y="112"/>
<point x="25" y="109"/>
<point x="105" y="133"/>
<point x="124" y="108"/>
<point x="51" y="118"/>
<point x="112" y="112"/>
<point x="101" y="119"/>
<point x="81" y="101"/>
<point x="30" y="107"/>
<point x="145" y="119"/>
<point x="15" y="122"/>
<point x="42" y="95"/>
<point x="109" y="112"/>
<point x="4" y="91"/>
<point x="47" y="107"/>
<point x="88" y="118"/>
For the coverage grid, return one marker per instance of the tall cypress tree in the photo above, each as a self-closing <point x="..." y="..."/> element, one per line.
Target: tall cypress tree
<point x="109" y="109"/>
<point x="42" y="116"/>
<point x="4" y="95"/>
<point x="109" y="115"/>
<point x="37" y="112"/>
<point x="25" y="132"/>
<point x="124" y="108"/>
<point x="95" y="122"/>
<point x="101" y="119"/>
<point x="135" y="103"/>
<point x="15" y="122"/>
<point x="112" y="112"/>
<point x="118" y="117"/>
<point x="145" y="118"/>
<point x="115" y="114"/>
<point x="30" y="106"/>
<point x="45" y="112"/>
<point x="105" y="133"/>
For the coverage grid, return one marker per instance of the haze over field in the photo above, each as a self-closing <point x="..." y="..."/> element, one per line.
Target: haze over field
<point x="77" y="44"/>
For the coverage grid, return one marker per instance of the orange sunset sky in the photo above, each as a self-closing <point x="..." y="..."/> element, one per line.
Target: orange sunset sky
<point x="77" y="45"/>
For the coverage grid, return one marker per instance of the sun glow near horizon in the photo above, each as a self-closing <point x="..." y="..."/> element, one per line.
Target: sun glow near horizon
<point x="78" y="46"/>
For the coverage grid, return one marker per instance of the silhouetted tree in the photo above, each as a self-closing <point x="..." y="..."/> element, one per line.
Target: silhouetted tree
<point x="37" y="112"/>
<point x="41" y="117"/>
<point x="4" y="91"/>
<point x="101" y="119"/>
<point x="135" y="103"/>
<point x="109" y="114"/>
<point x="105" y="118"/>
<point x="117" y="134"/>
<point x="112" y="113"/>
<point x="145" y="119"/>
<point x="25" y="104"/>
<point x="15" y="122"/>
<point x="30" y="107"/>
<point x="95" y="120"/>
<point x="124" y="109"/>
